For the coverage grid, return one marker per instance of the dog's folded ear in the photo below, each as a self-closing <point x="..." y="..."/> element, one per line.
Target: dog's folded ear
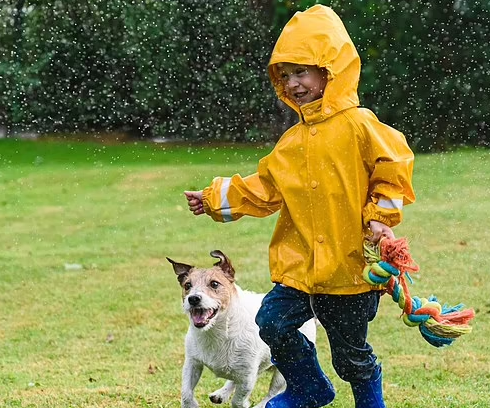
<point x="224" y="263"/>
<point x="180" y="269"/>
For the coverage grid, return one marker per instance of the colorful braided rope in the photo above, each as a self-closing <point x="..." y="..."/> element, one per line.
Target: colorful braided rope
<point x="389" y="264"/>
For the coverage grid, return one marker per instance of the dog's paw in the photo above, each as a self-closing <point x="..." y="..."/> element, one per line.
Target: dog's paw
<point x="216" y="399"/>
<point x="223" y="394"/>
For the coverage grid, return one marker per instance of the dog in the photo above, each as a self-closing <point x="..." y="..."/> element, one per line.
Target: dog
<point x="223" y="335"/>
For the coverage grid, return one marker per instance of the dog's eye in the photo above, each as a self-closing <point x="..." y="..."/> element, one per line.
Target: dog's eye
<point x="187" y="285"/>
<point x="214" y="285"/>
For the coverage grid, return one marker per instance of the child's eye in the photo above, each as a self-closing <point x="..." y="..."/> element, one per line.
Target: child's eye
<point x="284" y="76"/>
<point x="301" y="71"/>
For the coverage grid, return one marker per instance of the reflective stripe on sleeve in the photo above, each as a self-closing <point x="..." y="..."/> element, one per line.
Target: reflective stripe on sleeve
<point x="225" y="205"/>
<point x="391" y="204"/>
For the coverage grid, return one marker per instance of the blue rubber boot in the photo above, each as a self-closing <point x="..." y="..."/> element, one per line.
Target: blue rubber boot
<point x="307" y="385"/>
<point x="369" y="394"/>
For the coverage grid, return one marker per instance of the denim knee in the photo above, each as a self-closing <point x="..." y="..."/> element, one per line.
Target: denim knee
<point x="352" y="372"/>
<point x="268" y="330"/>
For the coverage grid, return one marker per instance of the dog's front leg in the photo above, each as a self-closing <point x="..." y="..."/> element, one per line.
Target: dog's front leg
<point x="191" y="373"/>
<point x="277" y="385"/>
<point x="243" y="391"/>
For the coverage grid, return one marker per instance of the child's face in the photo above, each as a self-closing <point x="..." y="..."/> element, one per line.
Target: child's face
<point x="303" y="83"/>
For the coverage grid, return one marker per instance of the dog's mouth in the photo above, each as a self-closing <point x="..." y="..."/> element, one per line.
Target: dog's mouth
<point x="201" y="317"/>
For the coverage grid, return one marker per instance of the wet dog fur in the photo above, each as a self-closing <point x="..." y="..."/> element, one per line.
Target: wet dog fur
<point x="223" y="335"/>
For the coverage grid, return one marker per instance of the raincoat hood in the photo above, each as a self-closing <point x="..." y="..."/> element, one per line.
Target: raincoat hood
<point x="318" y="37"/>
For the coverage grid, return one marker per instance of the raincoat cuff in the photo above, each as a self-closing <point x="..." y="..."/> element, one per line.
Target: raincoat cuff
<point x="207" y="197"/>
<point x="389" y="217"/>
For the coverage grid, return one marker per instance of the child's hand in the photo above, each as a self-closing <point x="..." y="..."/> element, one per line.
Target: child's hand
<point x="194" y="201"/>
<point x="379" y="230"/>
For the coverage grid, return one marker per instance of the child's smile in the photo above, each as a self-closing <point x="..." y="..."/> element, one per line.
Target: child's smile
<point x="303" y="83"/>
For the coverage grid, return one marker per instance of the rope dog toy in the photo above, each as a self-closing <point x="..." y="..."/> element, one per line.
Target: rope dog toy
<point x="389" y="264"/>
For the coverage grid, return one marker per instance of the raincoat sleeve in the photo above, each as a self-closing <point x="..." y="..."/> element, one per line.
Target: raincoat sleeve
<point x="230" y="198"/>
<point x="391" y="164"/>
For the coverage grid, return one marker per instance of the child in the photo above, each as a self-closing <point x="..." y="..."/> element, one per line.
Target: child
<point x="336" y="176"/>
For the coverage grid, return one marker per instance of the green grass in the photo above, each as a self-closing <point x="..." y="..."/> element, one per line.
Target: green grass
<point x="118" y="211"/>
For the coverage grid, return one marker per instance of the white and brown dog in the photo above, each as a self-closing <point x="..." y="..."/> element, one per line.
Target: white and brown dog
<point x="223" y="335"/>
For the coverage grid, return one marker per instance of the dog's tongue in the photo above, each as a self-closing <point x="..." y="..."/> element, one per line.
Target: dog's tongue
<point x="200" y="317"/>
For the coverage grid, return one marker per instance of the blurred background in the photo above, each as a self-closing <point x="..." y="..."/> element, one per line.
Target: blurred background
<point x="195" y="71"/>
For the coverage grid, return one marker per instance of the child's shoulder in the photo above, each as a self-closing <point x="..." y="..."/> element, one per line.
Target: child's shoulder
<point x="361" y="114"/>
<point x="368" y="123"/>
<point x="363" y="118"/>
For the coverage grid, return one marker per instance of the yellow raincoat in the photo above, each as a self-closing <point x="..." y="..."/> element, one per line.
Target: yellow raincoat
<point x="328" y="175"/>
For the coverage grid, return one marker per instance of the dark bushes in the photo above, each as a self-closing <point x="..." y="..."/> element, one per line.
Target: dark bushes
<point x="184" y="69"/>
<point x="195" y="70"/>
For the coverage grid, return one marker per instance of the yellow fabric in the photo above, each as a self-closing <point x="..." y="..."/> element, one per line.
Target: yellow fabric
<point x="327" y="175"/>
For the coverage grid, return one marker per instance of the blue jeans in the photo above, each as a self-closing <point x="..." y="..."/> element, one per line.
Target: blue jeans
<point x="345" y="319"/>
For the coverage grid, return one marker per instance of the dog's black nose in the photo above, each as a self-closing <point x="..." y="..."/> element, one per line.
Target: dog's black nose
<point x="194" y="300"/>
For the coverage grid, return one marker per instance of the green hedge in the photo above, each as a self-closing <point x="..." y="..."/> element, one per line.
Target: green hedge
<point x="195" y="70"/>
<point x="173" y="68"/>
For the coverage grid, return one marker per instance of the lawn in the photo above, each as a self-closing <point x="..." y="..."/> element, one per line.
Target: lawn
<point x="90" y="312"/>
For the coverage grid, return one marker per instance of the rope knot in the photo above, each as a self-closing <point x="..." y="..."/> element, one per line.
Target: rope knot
<point x="388" y="264"/>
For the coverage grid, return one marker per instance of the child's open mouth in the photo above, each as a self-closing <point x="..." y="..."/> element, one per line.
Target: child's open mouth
<point x="300" y="95"/>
